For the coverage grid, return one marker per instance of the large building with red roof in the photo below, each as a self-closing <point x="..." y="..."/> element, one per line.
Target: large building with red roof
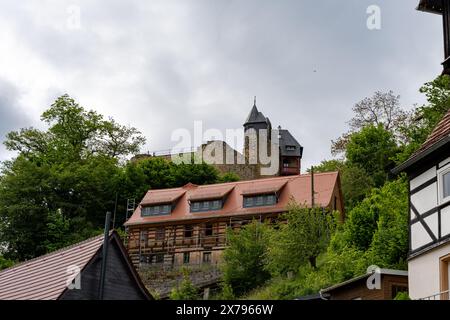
<point x="187" y="225"/>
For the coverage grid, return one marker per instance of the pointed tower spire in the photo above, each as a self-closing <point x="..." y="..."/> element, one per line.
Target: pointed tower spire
<point x="254" y="102"/>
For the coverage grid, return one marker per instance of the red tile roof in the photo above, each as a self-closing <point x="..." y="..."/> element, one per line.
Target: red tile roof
<point x="45" y="277"/>
<point x="162" y="196"/>
<point x="441" y="131"/>
<point x="296" y="187"/>
<point x="213" y="192"/>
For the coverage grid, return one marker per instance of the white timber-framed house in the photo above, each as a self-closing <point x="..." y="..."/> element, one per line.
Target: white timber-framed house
<point x="428" y="170"/>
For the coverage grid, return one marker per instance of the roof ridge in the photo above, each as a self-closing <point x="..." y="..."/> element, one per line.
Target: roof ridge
<point x="54" y="252"/>
<point x="250" y="181"/>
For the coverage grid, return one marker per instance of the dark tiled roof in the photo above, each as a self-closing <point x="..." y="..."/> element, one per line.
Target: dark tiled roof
<point x="47" y="277"/>
<point x="437" y="140"/>
<point x="286" y="139"/>
<point x="441" y="131"/>
<point x="255" y="116"/>
<point x="432" y="6"/>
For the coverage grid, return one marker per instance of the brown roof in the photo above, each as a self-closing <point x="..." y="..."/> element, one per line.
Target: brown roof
<point x="441" y="131"/>
<point x="44" y="278"/>
<point x="47" y="277"/>
<point x="159" y="197"/>
<point x="296" y="187"/>
<point x="212" y="192"/>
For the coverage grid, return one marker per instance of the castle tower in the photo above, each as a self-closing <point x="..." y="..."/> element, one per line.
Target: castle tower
<point x="255" y="122"/>
<point x="290" y="151"/>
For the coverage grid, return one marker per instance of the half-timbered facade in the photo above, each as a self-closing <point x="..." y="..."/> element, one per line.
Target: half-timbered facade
<point x="188" y="225"/>
<point x="429" y="221"/>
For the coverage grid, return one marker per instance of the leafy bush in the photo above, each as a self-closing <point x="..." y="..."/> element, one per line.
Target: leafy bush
<point x="244" y="258"/>
<point x="186" y="290"/>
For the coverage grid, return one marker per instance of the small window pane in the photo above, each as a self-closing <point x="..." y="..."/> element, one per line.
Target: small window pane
<point x="207" y="257"/>
<point x="259" y="200"/>
<point x="446" y="184"/>
<point x="156" y="210"/>
<point x="270" y="199"/>
<point x="160" y="234"/>
<point x="248" y="201"/>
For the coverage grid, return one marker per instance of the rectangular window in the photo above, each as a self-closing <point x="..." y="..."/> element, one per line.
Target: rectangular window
<point x="160" y="234"/>
<point x="260" y="200"/>
<point x="444" y="184"/>
<point x="159" y="257"/>
<point x="290" y="148"/>
<point x="186" y="257"/>
<point x="208" y="229"/>
<point x="199" y="206"/>
<point x="157" y="210"/>
<point x="188" y="231"/>
<point x="206" y="257"/>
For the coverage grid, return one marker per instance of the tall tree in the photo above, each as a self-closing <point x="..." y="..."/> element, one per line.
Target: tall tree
<point x="244" y="258"/>
<point x="382" y="109"/>
<point x="373" y="148"/>
<point x="63" y="178"/>
<point x="425" y="118"/>
<point x="300" y="239"/>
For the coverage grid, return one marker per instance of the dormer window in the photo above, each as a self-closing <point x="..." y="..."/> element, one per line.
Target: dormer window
<point x="291" y="148"/>
<point x="260" y="200"/>
<point x="444" y="184"/>
<point x="208" y="205"/>
<point x="156" y="210"/>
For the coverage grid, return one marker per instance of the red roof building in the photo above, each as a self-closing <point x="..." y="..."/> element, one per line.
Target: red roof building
<point x="188" y="224"/>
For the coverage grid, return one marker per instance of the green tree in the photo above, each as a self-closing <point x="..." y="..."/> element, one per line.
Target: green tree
<point x="372" y="149"/>
<point x="355" y="181"/>
<point x="5" y="263"/>
<point x="382" y="109"/>
<point x="378" y="226"/>
<point x="71" y="169"/>
<point x="302" y="236"/>
<point x="229" y="177"/>
<point x="425" y="118"/>
<point x="244" y="258"/>
<point x="186" y="290"/>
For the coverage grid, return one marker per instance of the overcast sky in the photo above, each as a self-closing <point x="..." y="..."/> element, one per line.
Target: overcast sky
<point x="160" y="65"/>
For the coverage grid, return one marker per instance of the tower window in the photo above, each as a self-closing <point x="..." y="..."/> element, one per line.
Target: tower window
<point x="291" y="148"/>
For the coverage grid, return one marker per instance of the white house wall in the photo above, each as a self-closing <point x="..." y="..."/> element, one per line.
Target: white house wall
<point x="419" y="236"/>
<point x="424" y="198"/>
<point x="445" y="221"/>
<point x="423" y="273"/>
<point x="443" y="163"/>
<point x="424" y="177"/>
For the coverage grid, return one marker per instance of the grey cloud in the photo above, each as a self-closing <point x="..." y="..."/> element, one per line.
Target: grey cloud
<point x="161" y="65"/>
<point x="11" y="115"/>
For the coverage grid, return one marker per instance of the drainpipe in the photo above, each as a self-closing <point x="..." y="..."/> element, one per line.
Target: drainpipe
<point x="104" y="256"/>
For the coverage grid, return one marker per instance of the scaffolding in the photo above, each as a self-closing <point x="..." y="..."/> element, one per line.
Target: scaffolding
<point x="159" y="245"/>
